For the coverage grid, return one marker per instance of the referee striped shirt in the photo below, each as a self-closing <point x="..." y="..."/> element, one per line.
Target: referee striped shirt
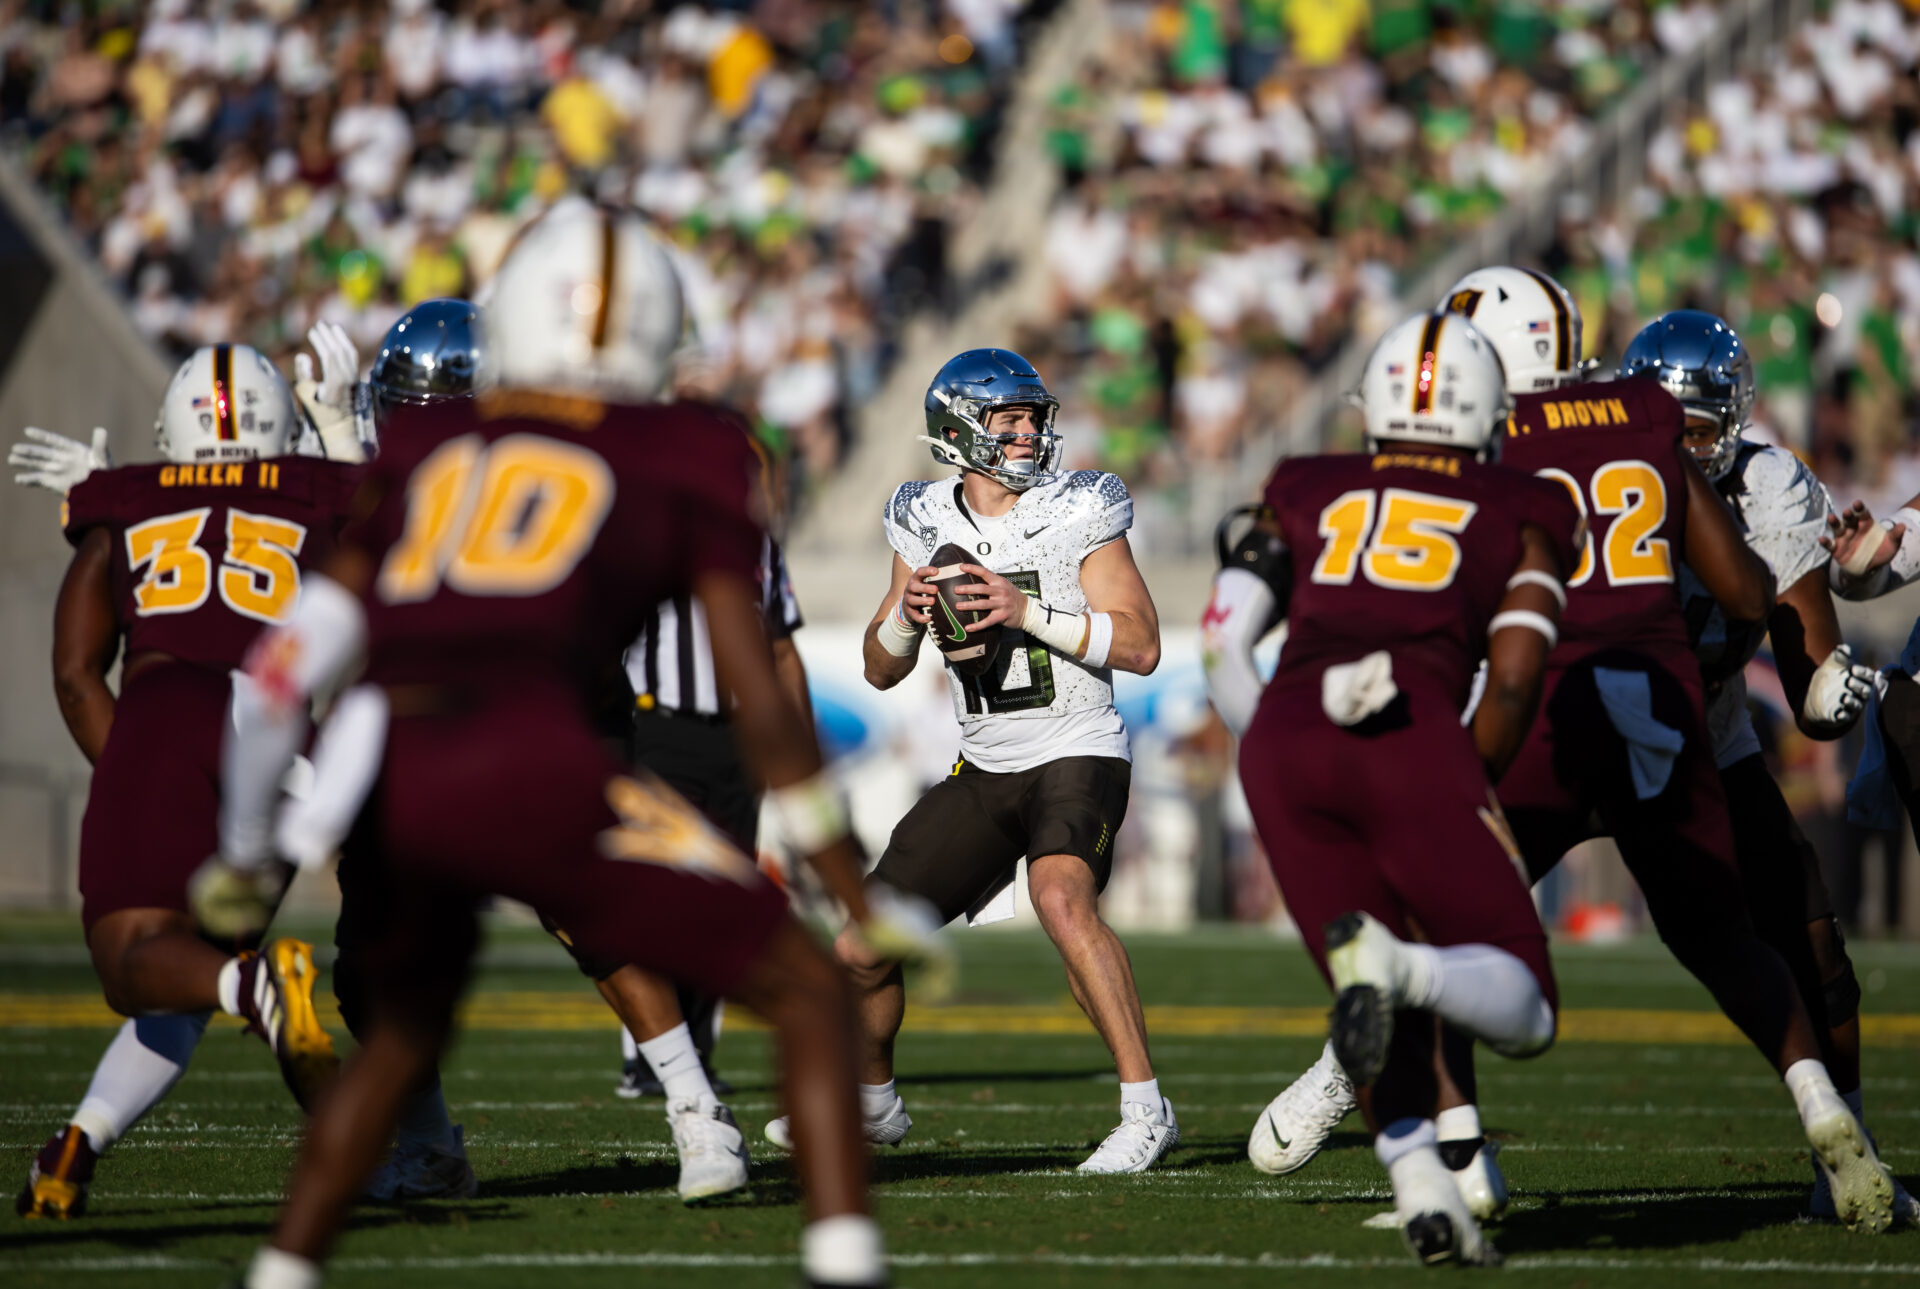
<point x="671" y="665"/>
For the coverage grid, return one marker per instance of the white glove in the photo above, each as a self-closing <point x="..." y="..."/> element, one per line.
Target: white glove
<point x="339" y="365"/>
<point x="906" y="928"/>
<point x="56" y="462"/>
<point x="1838" y="692"/>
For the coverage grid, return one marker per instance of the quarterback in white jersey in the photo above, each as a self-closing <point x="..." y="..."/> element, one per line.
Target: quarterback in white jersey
<point x="1044" y="768"/>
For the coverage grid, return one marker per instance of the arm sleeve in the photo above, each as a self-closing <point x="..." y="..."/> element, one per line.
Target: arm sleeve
<point x="1111" y="515"/>
<point x="1242" y="610"/>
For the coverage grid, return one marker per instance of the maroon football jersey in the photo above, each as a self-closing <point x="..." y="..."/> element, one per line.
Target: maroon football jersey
<point x="1611" y="446"/>
<point x="525" y="536"/>
<point x="204" y="554"/>
<point x="1407" y="552"/>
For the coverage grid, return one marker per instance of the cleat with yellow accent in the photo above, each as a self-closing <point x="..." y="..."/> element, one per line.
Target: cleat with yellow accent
<point x="58" y="1178"/>
<point x="276" y="999"/>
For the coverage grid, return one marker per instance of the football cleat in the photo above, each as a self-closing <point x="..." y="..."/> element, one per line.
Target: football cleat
<point x="1140" y="1142"/>
<point x="424" y="1172"/>
<point x="58" y="1177"/>
<point x="1295" y="1124"/>
<point x="1906" y="1209"/>
<point x="888" y="1130"/>
<point x="1474" y="1171"/>
<point x="276" y="1000"/>
<point x="1364" y="960"/>
<point x="712" y="1149"/>
<point x="1433" y="1216"/>
<point x="1860" y="1187"/>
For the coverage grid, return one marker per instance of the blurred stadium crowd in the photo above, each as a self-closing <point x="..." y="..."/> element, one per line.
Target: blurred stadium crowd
<point x="244" y="167"/>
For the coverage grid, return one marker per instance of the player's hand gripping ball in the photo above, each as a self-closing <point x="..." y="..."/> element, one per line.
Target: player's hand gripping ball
<point x="970" y="652"/>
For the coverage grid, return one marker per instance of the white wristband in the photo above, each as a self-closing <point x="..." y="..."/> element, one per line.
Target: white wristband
<point x="812" y="813"/>
<point x="897" y="634"/>
<point x="1100" y="643"/>
<point x="1525" y="618"/>
<point x="1534" y="577"/>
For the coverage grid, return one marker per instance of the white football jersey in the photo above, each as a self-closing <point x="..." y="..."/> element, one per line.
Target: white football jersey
<point x="1783" y="509"/>
<point x="1035" y="704"/>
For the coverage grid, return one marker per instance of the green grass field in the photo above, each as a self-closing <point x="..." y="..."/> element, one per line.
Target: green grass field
<point x="1655" y="1150"/>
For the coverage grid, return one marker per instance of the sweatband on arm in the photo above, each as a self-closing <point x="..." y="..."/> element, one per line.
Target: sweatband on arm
<point x="812" y="813"/>
<point x="1099" y="640"/>
<point x="1534" y="577"/>
<point x="1070" y="633"/>
<point x="898" y="634"/>
<point x="1525" y="618"/>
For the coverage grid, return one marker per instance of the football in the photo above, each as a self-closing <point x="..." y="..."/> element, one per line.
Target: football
<point x="971" y="653"/>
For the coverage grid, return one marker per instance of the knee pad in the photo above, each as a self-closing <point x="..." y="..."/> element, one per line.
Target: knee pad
<point x="1842" y="997"/>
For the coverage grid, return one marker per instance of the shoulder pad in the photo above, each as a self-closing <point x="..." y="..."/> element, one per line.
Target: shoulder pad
<point x="1100" y="504"/>
<point x="909" y="527"/>
<point x="1784" y="508"/>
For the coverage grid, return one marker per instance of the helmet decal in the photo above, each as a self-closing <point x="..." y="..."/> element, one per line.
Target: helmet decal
<point x="1560" y="328"/>
<point x="609" y="276"/>
<point x="223" y="392"/>
<point x="1428" y="371"/>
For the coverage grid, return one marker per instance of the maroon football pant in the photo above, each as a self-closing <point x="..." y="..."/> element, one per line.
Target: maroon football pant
<point x="513" y="799"/>
<point x="1393" y="818"/>
<point x="153" y="810"/>
<point x="1573" y="781"/>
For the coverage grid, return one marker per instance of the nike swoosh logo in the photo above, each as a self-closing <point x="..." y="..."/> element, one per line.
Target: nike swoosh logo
<point x="1036" y="532"/>
<point x="1274" y="1128"/>
<point x="956" y="631"/>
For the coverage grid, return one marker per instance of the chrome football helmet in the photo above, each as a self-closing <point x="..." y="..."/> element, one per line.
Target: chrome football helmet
<point x="1699" y="360"/>
<point x="963" y="394"/>
<point x="1435" y="379"/>
<point x="226" y="403"/>
<point x="431" y="355"/>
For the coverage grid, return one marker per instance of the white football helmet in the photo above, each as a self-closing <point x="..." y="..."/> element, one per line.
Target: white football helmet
<point x="587" y="301"/>
<point x="1532" y="321"/>
<point x="226" y="403"/>
<point x="1435" y="379"/>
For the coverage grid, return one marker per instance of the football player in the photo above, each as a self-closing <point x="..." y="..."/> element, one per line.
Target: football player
<point x="1397" y="572"/>
<point x="581" y="503"/>
<point x="1044" y="765"/>
<point x="1624" y="735"/>
<point x="181" y="563"/>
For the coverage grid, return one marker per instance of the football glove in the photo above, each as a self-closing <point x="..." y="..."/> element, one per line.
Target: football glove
<point x="339" y="365"/>
<point x="235" y="903"/>
<point x="1838" y="692"/>
<point x="56" y="462"/>
<point x="905" y="928"/>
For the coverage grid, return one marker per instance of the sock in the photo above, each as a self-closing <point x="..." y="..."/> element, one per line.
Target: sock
<point x="1402" y="1137"/>
<point x="1856" y="1102"/>
<point x="1146" y="1094"/>
<point x="876" y="1099"/>
<point x="141" y="1065"/>
<point x="677" y="1065"/>
<point x="1486" y="991"/>
<point x="843" y="1250"/>
<point x="1812" y="1089"/>
<point x="424" y="1123"/>
<point x="230" y="987"/>
<point x="274" y="1269"/>
<point x="1462" y="1123"/>
<point x="629" y="1047"/>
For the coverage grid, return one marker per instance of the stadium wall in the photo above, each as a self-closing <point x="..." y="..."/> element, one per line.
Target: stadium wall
<point x="69" y="360"/>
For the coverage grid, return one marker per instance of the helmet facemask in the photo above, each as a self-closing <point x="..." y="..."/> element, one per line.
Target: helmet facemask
<point x="1717" y="460"/>
<point x="969" y="445"/>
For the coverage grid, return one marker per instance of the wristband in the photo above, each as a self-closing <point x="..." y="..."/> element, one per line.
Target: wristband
<point x="1100" y="643"/>
<point x="898" y="634"/>
<point x="1525" y="618"/>
<point x="812" y="813"/>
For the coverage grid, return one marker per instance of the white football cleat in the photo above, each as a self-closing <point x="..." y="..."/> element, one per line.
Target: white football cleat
<point x="712" y="1150"/>
<point x="1370" y="974"/>
<point x="1140" y="1142"/>
<point x="1860" y="1187"/>
<point x="1433" y="1216"/>
<point x="1295" y="1124"/>
<point x="423" y="1172"/>
<point x="1481" y="1183"/>
<point x="888" y="1130"/>
<point x="1906" y="1209"/>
